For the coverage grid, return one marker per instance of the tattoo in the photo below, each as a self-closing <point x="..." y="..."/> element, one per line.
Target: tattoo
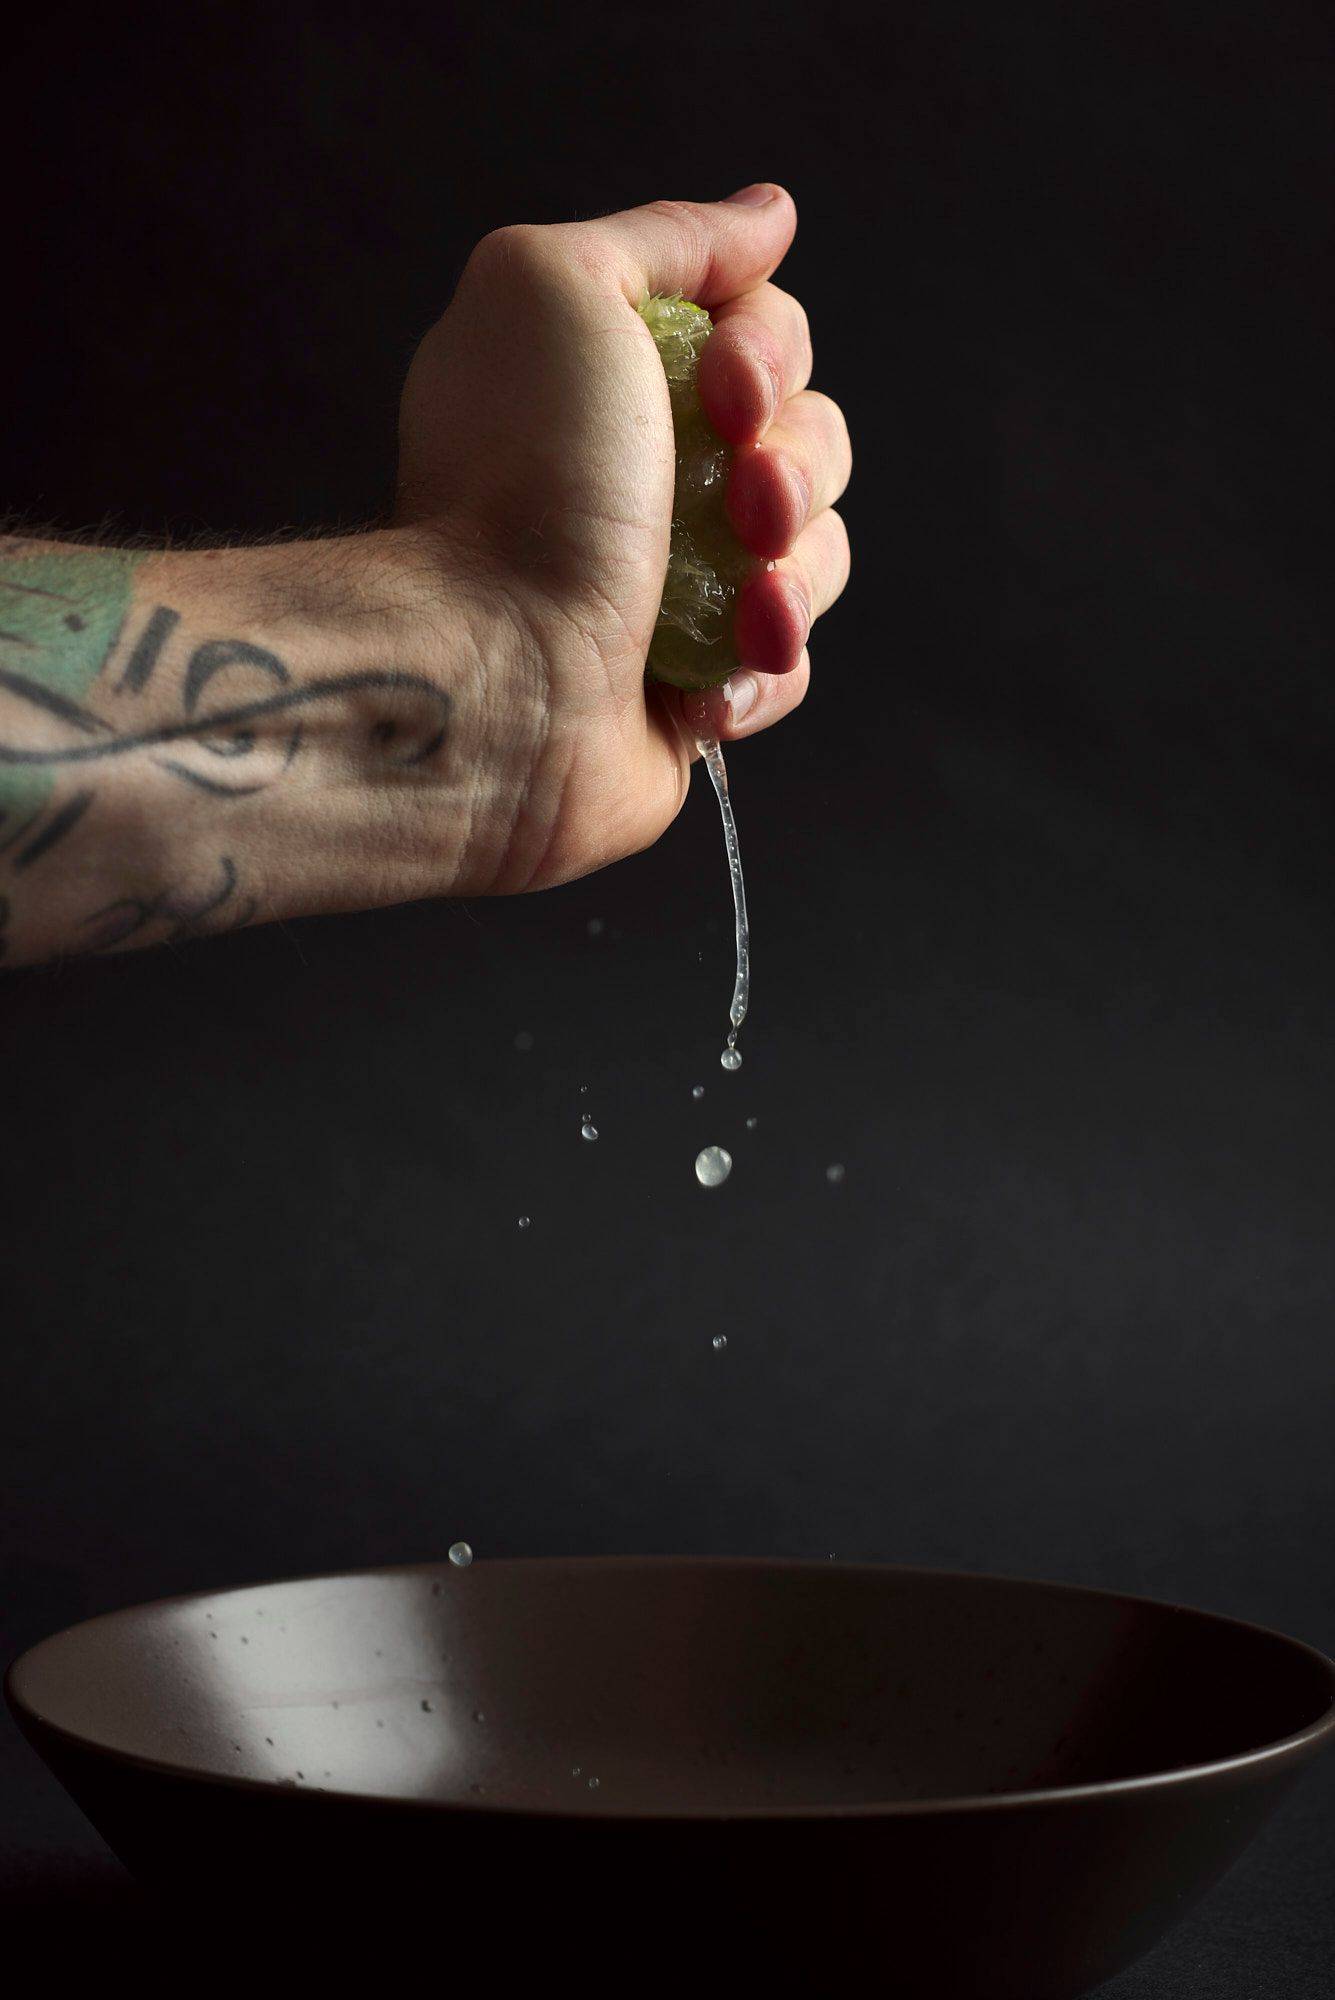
<point x="60" y="615"/>
<point x="55" y="829"/>
<point x="180" y="913"/>
<point x="66" y="610"/>
<point x="228" y="725"/>
<point x="238" y="729"/>
<point x="139" y="667"/>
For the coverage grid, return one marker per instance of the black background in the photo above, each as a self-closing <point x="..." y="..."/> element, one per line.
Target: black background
<point x="1040" y="875"/>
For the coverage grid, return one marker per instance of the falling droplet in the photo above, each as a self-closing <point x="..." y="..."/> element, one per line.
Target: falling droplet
<point x="731" y="1058"/>
<point x="460" y="1555"/>
<point x="478" y="1716"/>
<point x="751" y="1124"/>
<point x="834" y="1174"/>
<point x="575" y="1771"/>
<point x="712" y="1166"/>
<point x="588" y="1131"/>
<point x="594" y="927"/>
<point x="720" y="1342"/>
<point x="697" y="1090"/>
<point x="426" y="1708"/>
<point x="524" y="1221"/>
<point x="523" y="1041"/>
<point x="593" y="1784"/>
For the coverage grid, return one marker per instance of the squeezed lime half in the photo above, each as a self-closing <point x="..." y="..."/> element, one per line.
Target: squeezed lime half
<point x="693" y="644"/>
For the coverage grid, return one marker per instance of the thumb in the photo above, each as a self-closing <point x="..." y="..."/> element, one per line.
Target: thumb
<point x="709" y="250"/>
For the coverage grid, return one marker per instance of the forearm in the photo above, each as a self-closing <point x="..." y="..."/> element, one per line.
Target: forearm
<point x="193" y="741"/>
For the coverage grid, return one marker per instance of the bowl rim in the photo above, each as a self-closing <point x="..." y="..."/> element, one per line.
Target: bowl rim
<point x="1282" y="1754"/>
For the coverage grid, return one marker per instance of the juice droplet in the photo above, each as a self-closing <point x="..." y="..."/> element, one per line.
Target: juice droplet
<point x="751" y="1124"/>
<point x="720" y="1341"/>
<point x="712" y="1166"/>
<point x="834" y="1173"/>
<point x="524" y="1221"/>
<point x="593" y="1784"/>
<point x="588" y="1131"/>
<point x="594" y="927"/>
<point x="460" y="1555"/>
<point x="731" y="1057"/>
<point x="697" y="1090"/>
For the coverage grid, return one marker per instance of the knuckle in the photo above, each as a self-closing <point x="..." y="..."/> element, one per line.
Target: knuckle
<point x="798" y="464"/>
<point x="837" y="528"/>
<point x="687" y="220"/>
<point x="843" y="549"/>
<point x="503" y="245"/>
<point x="791" y="307"/>
<point x="515" y="251"/>
<point x="830" y="414"/>
<point x="686" y="214"/>
<point x="803" y="327"/>
<point x="798" y="338"/>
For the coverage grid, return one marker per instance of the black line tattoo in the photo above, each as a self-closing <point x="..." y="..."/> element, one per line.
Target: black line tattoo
<point x="17" y="832"/>
<point x="35" y="590"/>
<point x="54" y="704"/>
<point x="183" y="915"/>
<point x="55" y="829"/>
<point x="230" y="722"/>
<point x="139" y="667"/>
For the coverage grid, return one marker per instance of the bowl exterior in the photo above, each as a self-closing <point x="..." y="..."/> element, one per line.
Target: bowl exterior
<point x="1023" y="1901"/>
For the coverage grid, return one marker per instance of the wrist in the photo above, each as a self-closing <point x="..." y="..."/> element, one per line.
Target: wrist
<point x="390" y="762"/>
<point x="196" y="740"/>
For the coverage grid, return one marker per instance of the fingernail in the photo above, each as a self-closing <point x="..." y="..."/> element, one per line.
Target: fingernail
<point x="743" y="689"/>
<point x="754" y="196"/>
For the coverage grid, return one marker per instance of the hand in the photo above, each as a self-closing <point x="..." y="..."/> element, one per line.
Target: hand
<point x="537" y="455"/>
<point x="454" y="704"/>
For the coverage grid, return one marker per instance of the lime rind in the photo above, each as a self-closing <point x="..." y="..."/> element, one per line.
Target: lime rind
<point x="692" y="644"/>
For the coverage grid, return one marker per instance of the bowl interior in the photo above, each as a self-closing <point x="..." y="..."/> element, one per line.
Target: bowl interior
<point x="672" y="1687"/>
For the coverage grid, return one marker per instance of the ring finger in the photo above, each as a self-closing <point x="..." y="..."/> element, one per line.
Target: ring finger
<point x="800" y="467"/>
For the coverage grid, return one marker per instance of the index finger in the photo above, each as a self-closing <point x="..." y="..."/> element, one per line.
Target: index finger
<point x="758" y="355"/>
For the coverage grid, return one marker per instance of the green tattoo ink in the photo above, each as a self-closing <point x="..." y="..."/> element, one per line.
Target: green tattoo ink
<point x="61" y="613"/>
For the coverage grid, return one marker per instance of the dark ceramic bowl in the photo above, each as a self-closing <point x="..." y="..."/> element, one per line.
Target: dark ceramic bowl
<point x="945" y="1785"/>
